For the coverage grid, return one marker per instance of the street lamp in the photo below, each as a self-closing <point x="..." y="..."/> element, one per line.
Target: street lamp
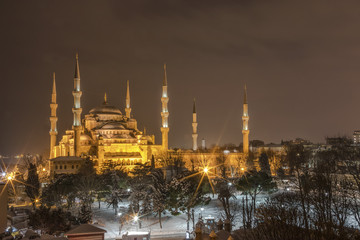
<point x="202" y="209"/>
<point x="187" y="235"/>
<point x="137" y="220"/>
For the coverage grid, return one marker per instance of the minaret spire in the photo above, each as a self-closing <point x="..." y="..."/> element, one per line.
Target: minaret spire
<point x="245" y="95"/>
<point x="245" y="119"/>
<point x="194" y="126"/>
<point x="165" y="113"/>
<point x="127" y="108"/>
<point x="77" y="69"/>
<point x="165" y="76"/>
<point x="77" y="108"/>
<point x="53" y="120"/>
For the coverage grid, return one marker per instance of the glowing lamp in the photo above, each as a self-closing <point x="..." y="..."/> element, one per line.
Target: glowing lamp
<point x="206" y="170"/>
<point x="9" y="178"/>
<point x="136" y="218"/>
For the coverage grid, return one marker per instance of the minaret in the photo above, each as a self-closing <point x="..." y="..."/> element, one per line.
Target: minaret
<point x="53" y="119"/>
<point x="127" y="108"/>
<point x="77" y="108"/>
<point x="194" y="125"/>
<point x="165" y="113"/>
<point x="245" y="119"/>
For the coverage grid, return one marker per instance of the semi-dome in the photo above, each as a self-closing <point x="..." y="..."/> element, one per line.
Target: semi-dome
<point x="113" y="125"/>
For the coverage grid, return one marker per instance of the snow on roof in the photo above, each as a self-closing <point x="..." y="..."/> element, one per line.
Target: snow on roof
<point x="67" y="158"/>
<point x="124" y="154"/>
<point x="136" y="233"/>
<point x="85" y="229"/>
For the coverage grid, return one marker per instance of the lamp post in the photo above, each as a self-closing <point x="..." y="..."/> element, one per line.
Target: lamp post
<point x="137" y="220"/>
<point x="193" y="218"/>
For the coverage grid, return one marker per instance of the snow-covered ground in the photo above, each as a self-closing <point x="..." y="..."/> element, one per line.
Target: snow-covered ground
<point x="172" y="226"/>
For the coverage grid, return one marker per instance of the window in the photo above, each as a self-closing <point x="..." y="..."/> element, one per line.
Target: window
<point x="64" y="166"/>
<point x="72" y="166"/>
<point x="56" y="167"/>
<point x="60" y="166"/>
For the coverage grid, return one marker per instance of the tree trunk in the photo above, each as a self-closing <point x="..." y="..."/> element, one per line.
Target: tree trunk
<point x="302" y="198"/>
<point x="160" y="219"/>
<point x="188" y="219"/>
<point x="116" y="208"/>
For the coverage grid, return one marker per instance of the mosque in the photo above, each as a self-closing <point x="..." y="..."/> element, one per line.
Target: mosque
<point x="112" y="139"/>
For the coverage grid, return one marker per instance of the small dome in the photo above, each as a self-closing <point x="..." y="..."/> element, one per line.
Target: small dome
<point x="106" y="109"/>
<point x="85" y="137"/>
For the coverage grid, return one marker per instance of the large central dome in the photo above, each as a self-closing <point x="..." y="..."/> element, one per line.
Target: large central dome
<point x="105" y="108"/>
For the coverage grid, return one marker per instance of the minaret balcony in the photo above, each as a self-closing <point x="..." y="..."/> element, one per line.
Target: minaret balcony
<point x="165" y="114"/>
<point x="77" y="93"/>
<point x="77" y="110"/>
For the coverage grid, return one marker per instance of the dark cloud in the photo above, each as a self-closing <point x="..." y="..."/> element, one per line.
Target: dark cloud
<point x="299" y="59"/>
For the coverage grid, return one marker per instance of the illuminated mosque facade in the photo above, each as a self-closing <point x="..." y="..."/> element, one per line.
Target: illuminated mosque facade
<point x="111" y="138"/>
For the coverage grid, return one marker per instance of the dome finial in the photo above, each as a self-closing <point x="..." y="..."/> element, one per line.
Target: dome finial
<point x="105" y="99"/>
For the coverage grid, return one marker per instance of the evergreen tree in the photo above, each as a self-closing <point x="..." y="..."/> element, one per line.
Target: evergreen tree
<point x="85" y="214"/>
<point x="88" y="183"/>
<point x="264" y="163"/>
<point x="250" y="165"/>
<point x="50" y="221"/>
<point x="62" y="188"/>
<point x="139" y="186"/>
<point x="32" y="184"/>
<point x="115" y="191"/>
<point x="280" y="172"/>
<point x="158" y="188"/>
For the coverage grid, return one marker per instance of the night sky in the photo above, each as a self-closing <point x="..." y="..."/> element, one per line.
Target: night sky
<point x="299" y="59"/>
